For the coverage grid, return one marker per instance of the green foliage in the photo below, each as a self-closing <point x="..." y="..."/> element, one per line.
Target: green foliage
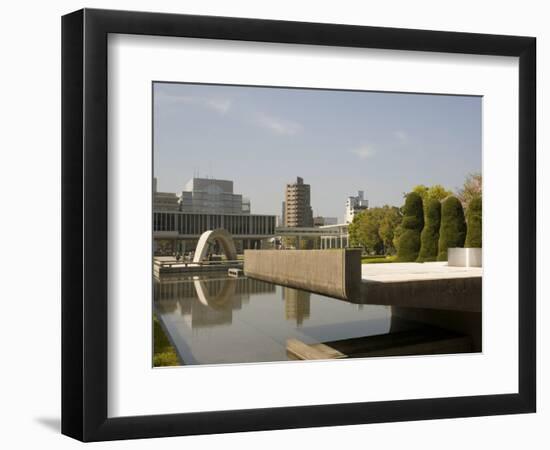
<point x="435" y="192"/>
<point x="429" y="239"/>
<point x="473" y="217"/>
<point x="390" y="222"/>
<point x="409" y="246"/>
<point x="378" y="259"/>
<point x="164" y="353"/>
<point x="452" y="232"/>
<point x="397" y="232"/>
<point x="363" y="231"/>
<point x="373" y="229"/>
<point x="165" y="359"/>
<point x="412" y="224"/>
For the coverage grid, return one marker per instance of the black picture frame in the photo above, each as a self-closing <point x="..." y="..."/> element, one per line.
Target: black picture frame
<point x="84" y="224"/>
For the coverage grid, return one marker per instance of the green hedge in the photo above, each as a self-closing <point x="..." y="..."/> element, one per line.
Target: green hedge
<point x="412" y="224"/>
<point x="473" y="217"/>
<point x="429" y="239"/>
<point x="452" y="232"/>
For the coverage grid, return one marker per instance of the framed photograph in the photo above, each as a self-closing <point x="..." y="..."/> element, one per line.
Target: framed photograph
<point x="271" y="224"/>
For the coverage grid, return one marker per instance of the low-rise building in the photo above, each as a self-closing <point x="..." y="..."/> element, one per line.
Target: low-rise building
<point x="164" y="201"/>
<point x="320" y="221"/>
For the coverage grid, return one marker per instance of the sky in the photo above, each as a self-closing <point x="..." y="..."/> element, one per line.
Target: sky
<point x="338" y="141"/>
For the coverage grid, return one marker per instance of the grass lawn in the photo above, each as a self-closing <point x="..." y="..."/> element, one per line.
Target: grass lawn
<point x="164" y="352"/>
<point x="378" y="259"/>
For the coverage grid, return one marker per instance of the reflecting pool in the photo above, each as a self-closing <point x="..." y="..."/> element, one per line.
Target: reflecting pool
<point x="218" y="319"/>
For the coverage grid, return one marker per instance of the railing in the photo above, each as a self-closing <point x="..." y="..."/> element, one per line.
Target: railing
<point x="170" y="264"/>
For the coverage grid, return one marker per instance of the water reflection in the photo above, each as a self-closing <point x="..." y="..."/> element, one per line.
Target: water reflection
<point x="297" y="304"/>
<point x="219" y="319"/>
<point x="206" y="302"/>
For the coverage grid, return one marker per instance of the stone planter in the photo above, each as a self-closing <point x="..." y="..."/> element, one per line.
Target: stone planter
<point x="464" y="257"/>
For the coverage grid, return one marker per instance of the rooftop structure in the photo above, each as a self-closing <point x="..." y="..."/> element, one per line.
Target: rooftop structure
<point x="355" y="204"/>
<point x="212" y="196"/>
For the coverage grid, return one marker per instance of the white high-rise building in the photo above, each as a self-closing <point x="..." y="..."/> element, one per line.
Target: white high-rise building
<point x="208" y="195"/>
<point x="355" y="204"/>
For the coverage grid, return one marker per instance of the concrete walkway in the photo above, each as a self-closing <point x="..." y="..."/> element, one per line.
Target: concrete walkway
<point x="400" y="272"/>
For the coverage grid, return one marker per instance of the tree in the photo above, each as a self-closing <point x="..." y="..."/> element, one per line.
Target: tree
<point x="420" y="189"/>
<point x="473" y="217"/>
<point x="471" y="189"/>
<point x="373" y="229"/>
<point x="388" y="228"/>
<point x="397" y="232"/>
<point x="453" y="227"/>
<point x="429" y="238"/>
<point x="363" y="231"/>
<point x="435" y="192"/>
<point x="412" y="224"/>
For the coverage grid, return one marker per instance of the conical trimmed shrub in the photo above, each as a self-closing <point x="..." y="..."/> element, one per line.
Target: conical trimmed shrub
<point x="412" y="224"/>
<point x="473" y="217"/>
<point x="429" y="238"/>
<point x="452" y="232"/>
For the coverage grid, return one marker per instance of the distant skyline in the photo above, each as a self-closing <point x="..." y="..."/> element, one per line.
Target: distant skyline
<point x="339" y="142"/>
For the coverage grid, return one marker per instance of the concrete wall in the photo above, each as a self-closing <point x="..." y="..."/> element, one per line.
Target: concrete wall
<point x="457" y="294"/>
<point x="336" y="272"/>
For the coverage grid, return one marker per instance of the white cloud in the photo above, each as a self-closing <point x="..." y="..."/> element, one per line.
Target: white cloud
<point x="219" y="105"/>
<point x="277" y="125"/>
<point x="401" y="136"/>
<point x="364" y="151"/>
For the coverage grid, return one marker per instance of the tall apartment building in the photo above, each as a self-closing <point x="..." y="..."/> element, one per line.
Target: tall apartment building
<point x="355" y="204"/>
<point x="211" y="196"/>
<point x="297" y="206"/>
